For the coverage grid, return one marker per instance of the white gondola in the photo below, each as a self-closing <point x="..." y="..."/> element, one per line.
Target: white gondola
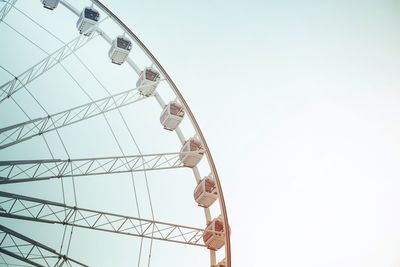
<point x="191" y="153"/>
<point x="172" y="115"/>
<point x="206" y="193"/>
<point x="148" y="81"/>
<point x="50" y="4"/>
<point x="87" y="21"/>
<point x="213" y="236"/>
<point x="119" y="50"/>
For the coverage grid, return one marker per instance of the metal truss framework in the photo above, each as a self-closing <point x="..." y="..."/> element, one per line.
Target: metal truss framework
<point x="32" y="252"/>
<point x="14" y="85"/>
<point x="39" y="210"/>
<point x="36" y="170"/>
<point x="44" y="206"/>
<point x="20" y="132"/>
<point x="6" y="8"/>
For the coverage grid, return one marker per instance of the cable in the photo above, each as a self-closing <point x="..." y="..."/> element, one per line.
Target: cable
<point x="44" y="110"/>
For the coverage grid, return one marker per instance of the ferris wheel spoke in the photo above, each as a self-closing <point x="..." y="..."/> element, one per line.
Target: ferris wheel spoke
<point x="31" y="251"/>
<point x="37" y="170"/>
<point x="43" y="211"/>
<point x="12" y="86"/>
<point x="6" y="8"/>
<point x="20" y="132"/>
<point x="67" y="215"/>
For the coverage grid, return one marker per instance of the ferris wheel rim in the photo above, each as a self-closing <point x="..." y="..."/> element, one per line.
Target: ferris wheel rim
<point x="192" y="119"/>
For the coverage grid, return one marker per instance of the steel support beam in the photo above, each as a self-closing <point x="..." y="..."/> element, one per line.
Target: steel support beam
<point x="199" y="133"/>
<point x="6" y="8"/>
<point x="30" y="251"/>
<point x="37" y="170"/>
<point x="39" y="210"/>
<point x="14" y="85"/>
<point x="21" y="132"/>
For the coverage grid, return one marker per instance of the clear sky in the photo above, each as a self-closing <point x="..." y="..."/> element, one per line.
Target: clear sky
<point x="299" y="102"/>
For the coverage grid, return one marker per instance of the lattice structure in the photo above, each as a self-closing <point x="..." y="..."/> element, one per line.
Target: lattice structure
<point x="36" y="170"/>
<point x="24" y="131"/>
<point x="30" y="251"/>
<point x="14" y="85"/>
<point x="6" y="8"/>
<point x="19" y="208"/>
<point x="33" y="209"/>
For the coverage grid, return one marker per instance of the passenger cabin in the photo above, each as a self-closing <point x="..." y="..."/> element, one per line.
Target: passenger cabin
<point x="191" y="153"/>
<point x="50" y="4"/>
<point x="213" y="236"/>
<point x="87" y="21"/>
<point x="119" y="50"/>
<point x="148" y="81"/>
<point x="206" y="193"/>
<point x="172" y="115"/>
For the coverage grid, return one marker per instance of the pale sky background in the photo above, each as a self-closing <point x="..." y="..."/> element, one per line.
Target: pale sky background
<point x="299" y="102"/>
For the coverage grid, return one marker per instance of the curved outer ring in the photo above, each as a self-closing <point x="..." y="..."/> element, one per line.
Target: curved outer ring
<point x="193" y="121"/>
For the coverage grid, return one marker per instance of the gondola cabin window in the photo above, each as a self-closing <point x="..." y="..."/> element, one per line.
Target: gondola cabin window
<point x="172" y="115"/>
<point x="87" y="21"/>
<point x="148" y="81"/>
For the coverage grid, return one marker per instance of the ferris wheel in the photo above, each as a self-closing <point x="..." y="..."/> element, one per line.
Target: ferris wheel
<point x="98" y="148"/>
